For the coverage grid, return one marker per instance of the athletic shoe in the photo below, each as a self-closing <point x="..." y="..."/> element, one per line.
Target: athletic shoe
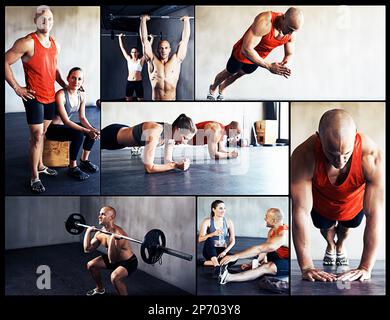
<point x="37" y="186"/>
<point x="48" y="171"/>
<point x="95" y="292"/>
<point x="77" y="173"/>
<point x="88" y="166"/>
<point x="223" y="274"/>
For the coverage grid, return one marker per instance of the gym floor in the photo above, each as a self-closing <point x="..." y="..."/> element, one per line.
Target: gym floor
<point x="207" y="282"/>
<point x="17" y="175"/>
<point x="375" y="286"/>
<point x="69" y="275"/>
<point x="257" y="171"/>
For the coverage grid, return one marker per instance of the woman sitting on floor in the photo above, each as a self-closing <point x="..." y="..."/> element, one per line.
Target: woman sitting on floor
<point x="151" y="135"/>
<point x="217" y="233"/>
<point x="69" y="101"/>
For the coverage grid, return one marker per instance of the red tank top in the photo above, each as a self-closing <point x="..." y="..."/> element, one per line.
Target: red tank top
<point x="282" y="251"/>
<point x="40" y="70"/>
<point x="342" y="202"/>
<point x="265" y="46"/>
<point x="201" y="125"/>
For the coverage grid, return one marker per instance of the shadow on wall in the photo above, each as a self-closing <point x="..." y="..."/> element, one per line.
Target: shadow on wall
<point x="114" y="66"/>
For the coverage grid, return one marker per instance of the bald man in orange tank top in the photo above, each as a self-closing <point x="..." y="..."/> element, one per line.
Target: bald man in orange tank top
<point x="337" y="179"/>
<point x="268" y="31"/>
<point x="38" y="52"/>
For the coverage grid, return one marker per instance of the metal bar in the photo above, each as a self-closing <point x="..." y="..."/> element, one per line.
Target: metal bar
<point x="110" y="233"/>
<point x="126" y="35"/>
<point x="112" y="17"/>
<point x="176" y="253"/>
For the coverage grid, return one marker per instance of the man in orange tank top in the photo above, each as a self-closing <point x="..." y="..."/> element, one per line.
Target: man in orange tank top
<point x="38" y="52"/>
<point x="212" y="133"/>
<point x="336" y="178"/>
<point x="272" y="256"/>
<point x="268" y="31"/>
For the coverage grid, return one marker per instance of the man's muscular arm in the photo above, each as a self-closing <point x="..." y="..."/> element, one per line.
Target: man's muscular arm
<point x="373" y="208"/>
<point x="302" y="168"/>
<point x="20" y="48"/>
<point x="261" y="26"/>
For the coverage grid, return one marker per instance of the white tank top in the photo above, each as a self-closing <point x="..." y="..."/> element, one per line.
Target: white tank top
<point x="134" y="66"/>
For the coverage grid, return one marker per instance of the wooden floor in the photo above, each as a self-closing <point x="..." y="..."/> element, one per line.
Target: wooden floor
<point x="258" y="171"/>
<point x="375" y="286"/>
<point x="17" y="173"/>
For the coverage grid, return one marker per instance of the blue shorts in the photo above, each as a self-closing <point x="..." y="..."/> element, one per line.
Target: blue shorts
<point x="36" y="111"/>
<point x="282" y="265"/>
<point x="321" y="222"/>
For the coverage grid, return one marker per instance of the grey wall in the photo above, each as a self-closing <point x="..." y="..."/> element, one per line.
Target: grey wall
<point x="370" y="119"/>
<point x="247" y="213"/>
<point x="175" y="216"/>
<point x="38" y="221"/>
<point x="339" y="54"/>
<point x="76" y="29"/>
<point x="114" y="66"/>
<point x="132" y="113"/>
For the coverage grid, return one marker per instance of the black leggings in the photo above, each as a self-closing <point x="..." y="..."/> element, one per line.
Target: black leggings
<point x="209" y="250"/>
<point x="59" y="132"/>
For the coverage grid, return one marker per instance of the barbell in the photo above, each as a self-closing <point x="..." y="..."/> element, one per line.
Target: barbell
<point x="152" y="247"/>
<point x="113" y="17"/>
<point x="112" y="35"/>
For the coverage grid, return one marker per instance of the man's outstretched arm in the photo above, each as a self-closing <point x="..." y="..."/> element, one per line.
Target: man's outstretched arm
<point x="185" y="37"/>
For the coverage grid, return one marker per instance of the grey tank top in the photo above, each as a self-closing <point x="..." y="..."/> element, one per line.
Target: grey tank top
<point x="68" y="106"/>
<point x="219" y="241"/>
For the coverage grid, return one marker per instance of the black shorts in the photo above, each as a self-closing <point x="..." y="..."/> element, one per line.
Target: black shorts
<point x="233" y="66"/>
<point x="282" y="265"/>
<point x="321" y="222"/>
<point x="130" y="264"/>
<point x="136" y="86"/>
<point x="36" y="111"/>
<point x="109" y="137"/>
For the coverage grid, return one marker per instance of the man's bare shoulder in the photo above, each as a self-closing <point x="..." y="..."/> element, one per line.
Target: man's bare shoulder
<point x="302" y="159"/>
<point x="371" y="157"/>
<point x="25" y="43"/>
<point x="263" y="22"/>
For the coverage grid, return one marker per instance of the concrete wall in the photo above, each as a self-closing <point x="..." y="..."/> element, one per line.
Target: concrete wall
<point x="76" y="29"/>
<point x="175" y="216"/>
<point x="38" y="221"/>
<point x="132" y="113"/>
<point x="339" y="54"/>
<point x="114" y="66"/>
<point x="370" y="119"/>
<point x="247" y="213"/>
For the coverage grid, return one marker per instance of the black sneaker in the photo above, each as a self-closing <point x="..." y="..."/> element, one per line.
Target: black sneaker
<point x="88" y="166"/>
<point x="37" y="186"/>
<point x="77" y="173"/>
<point x="48" y="171"/>
<point x="95" y="292"/>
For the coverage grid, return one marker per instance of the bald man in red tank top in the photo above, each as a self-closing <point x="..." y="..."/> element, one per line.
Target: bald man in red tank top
<point x="38" y="52"/>
<point x="268" y="31"/>
<point x="336" y="179"/>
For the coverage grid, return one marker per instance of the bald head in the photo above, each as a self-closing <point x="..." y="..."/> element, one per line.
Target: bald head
<point x="233" y="129"/>
<point x="164" y="49"/>
<point x="109" y="211"/>
<point x="337" y="131"/>
<point x="275" y="214"/>
<point x="294" y="18"/>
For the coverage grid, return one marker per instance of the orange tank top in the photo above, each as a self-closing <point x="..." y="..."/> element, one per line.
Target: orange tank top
<point x="283" y="251"/>
<point x="201" y="125"/>
<point x="40" y="70"/>
<point x="265" y="46"/>
<point x="342" y="202"/>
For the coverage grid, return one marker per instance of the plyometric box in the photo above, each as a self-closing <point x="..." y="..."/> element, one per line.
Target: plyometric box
<point x="266" y="131"/>
<point x="56" y="153"/>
